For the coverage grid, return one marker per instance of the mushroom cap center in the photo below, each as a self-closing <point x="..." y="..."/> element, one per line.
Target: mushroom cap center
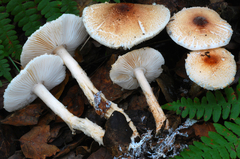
<point x="123" y="7"/>
<point x="200" y="21"/>
<point x="210" y="60"/>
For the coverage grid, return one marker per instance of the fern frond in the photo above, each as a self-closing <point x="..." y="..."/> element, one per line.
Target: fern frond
<point x="28" y="15"/>
<point x="225" y="143"/>
<point x="25" y="14"/>
<point x="102" y="1"/>
<point x="50" y="9"/>
<point x="212" y="105"/>
<point x="4" y="68"/>
<point x="8" y="36"/>
<point x="69" y="6"/>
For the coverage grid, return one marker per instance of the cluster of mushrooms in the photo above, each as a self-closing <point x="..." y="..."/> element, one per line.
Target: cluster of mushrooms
<point x="51" y="48"/>
<point x="204" y="32"/>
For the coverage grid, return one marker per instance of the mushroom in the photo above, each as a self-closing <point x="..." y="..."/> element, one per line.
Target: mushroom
<point x="39" y="76"/>
<point x="199" y="28"/>
<point x="61" y="37"/>
<point x="211" y="69"/>
<point x="124" y="24"/>
<point x="140" y="67"/>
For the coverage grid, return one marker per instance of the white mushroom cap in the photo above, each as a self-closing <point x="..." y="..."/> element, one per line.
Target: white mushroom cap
<point x="211" y="69"/>
<point x="46" y="69"/>
<point x="147" y="59"/>
<point x="68" y="31"/>
<point x="124" y="24"/>
<point x="199" y="28"/>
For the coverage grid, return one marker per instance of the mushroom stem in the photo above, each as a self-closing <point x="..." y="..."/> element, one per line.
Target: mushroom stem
<point x="154" y="106"/>
<point x="87" y="86"/>
<point x="87" y="127"/>
<point x="78" y="73"/>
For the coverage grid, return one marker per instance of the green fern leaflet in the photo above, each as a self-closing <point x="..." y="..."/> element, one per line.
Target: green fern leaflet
<point x="4" y="68"/>
<point x="213" y="105"/>
<point x="29" y="16"/>
<point x="223" y="144"/>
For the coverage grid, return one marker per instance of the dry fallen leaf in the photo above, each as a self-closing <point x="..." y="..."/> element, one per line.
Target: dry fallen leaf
<point x="71" y="155"/>
<point x="17" y="155"/>
<point x="203" y="129"/>
<point x="117" y="135"/>
<point x="68" y="148"/>
<point x="57" y="91"/>
<point x="7" y="146"/>
<point x="27" y="116"/>
<point x="102" y="153"/>
<point x="138" y="102"/>
<point x="46" y="119"/>
<point x="55" y="131"/>
<point x="73" y="101"/>
<point x="34" y="143"/>
<point x="2" y="90"/>
<point x="102" y="81"/>
<point x="82" y="4"/>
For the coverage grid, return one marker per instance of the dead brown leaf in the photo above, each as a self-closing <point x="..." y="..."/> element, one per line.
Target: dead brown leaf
<point x="180" y="67"/>
<point x="71" y="155"/>
<point x="70" y="147"/>
<point x="57" y="91"/>
<point x="2" y="90"/>
<point x="102" y="153"/>
<point x="82" y="4"/>
<point x="46" y="119"/>
<point x="138" y="102"/>
<point x="73" y="101"/>
<point x="117" y="135"/>
<point x="7" y="146"/>
<point x="55" y="131"/>
<point x="27" y="116"/>
<point x="203" y="129"/>
<point x="102" y="81"/>
<point x="87" y="150"/>
<point x="17" y="155"/>
<point x="34" y="143"/>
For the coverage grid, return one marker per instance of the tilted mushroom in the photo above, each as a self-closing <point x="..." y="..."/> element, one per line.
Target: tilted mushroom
<point x="61" y="37"/>
<point x="39" y="76"/>
<point x="124" y="24"/>
<point x="199" y="28"/>
<point x="140" y="67"/>
<point x="212" y="69"/>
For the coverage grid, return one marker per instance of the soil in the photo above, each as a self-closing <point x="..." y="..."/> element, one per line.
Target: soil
<point x="35" y="132"/>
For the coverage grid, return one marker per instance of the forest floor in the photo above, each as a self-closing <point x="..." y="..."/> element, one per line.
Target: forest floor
<point x="36" y="132"/>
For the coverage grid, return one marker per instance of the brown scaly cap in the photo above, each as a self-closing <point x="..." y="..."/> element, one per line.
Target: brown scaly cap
<point x="199" y="28"/>
<point x="124" y="24"/>
<point x="212" y="69"/>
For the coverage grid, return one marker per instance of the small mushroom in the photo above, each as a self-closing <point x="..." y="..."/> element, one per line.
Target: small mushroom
<point x="124" y="25"/>
<point x="211" y="69"/>
<point x="61" y="37"/>
<point x="39" y="76"/>
<point x="140" y="67"/>
<point x="199" y="28"/>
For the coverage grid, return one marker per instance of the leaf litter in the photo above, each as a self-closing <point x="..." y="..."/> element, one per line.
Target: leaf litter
<point x="48" y="136"/>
